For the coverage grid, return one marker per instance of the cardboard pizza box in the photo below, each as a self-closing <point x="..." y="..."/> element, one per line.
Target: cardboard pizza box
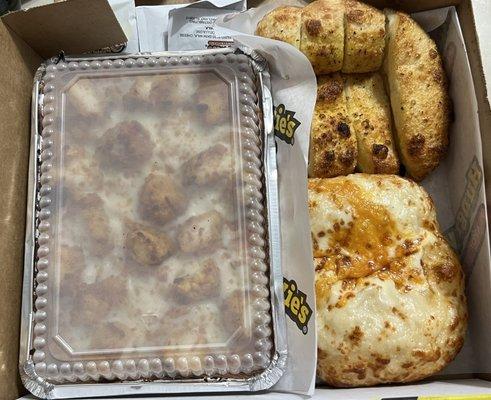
<point x="76" y="26"/>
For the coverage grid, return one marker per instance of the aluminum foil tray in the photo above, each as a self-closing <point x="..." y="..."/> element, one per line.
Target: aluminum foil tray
<point x="151" y="252"/>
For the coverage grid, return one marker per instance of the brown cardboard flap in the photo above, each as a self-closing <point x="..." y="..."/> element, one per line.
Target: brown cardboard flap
<point x="74" y="26"/>
<point x="475" y="51"/>
<point x="18" y="65"/>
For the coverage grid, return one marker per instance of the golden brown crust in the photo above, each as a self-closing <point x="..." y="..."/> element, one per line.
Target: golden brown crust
<point x="283" y="23"/>
<point x="349" y="35"/>
<point x="419" y="95"/>
<point x="333" y="149"/>
<point x="364" y="41"/>
<point x="389" y="289"/>
<point x="333" y="34"/>
<point x="371" y="121"/>
<point x="322" y="35"/>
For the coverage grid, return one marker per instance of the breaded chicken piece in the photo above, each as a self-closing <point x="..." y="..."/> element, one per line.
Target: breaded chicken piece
<point x="83" y="97"/>
<point x="159" y="91"/>
<point x="125" y="147"/>
<point x="72" y="260"/>
<point x="282" y="23"/>
<point x="165" y="90"/>
<point x="201" y="233"/>
<point x="209" y="166"/>
<point x="371" y="121"/>
<point x="146" y="245"/>
<point x="80" y="171"/>
<point x="161" y="199"/>
<point x="96" y="224"/>
<point x="333" y="148"/>
<point x="364" y="38"/>
<point x="418" y="94"/>
<point x="212" y="105"/>
<point x="139" y="94"/>
<point x="198" y="286"/>
<point x="97" y="299"/>
<point x="322" y="35"/>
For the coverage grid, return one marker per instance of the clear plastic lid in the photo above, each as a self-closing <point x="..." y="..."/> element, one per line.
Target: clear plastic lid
<point x="152" y="252"/>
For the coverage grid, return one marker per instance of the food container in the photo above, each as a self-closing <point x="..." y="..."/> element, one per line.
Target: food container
<point x="153" y="244"/>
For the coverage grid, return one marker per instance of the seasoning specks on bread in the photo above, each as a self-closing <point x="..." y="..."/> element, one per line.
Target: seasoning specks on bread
<point x="419" y="95"/>
<point x="371" y="121"/>
<point x="333" y="145"/>
<point x="352" y="37"/>
<point x="364" y="38"/>
<point x="389" y="289"/>
<point x="283" y="23"/>
<point x="322" y="35"/>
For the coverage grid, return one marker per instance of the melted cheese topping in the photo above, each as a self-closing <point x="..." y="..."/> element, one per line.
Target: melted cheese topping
<point x="389" y="290"/>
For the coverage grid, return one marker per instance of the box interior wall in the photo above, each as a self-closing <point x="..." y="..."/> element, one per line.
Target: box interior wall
<point x="21" y="53"/>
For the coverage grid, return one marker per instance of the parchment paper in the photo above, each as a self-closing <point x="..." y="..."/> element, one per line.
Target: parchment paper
<point x="457" y="186"/>
<point x="153" y="23"/>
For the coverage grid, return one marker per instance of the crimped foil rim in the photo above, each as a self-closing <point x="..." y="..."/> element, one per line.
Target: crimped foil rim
<point x="264" y="380"/>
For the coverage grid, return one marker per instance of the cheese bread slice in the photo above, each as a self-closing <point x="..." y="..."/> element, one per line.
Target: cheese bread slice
<point x="418" y="94"/>
<point x="283" y="23"/>
<point x="364" y="38"/>
<point x="371" y="121"/>
<point x="322" y="35"/>
<point x="333" y="148"/>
